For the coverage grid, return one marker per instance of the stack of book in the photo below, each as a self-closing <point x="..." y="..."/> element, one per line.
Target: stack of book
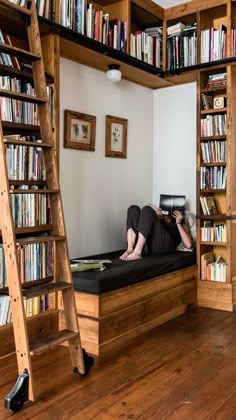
<point x="181" y="46"/>
<point x="217" y="81"/>
<point x="211" y="269"/>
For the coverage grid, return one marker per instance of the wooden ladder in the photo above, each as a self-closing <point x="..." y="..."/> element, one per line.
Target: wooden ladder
<point x="61" y="280"/>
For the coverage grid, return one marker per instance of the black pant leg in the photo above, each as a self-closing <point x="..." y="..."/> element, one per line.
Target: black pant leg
<point x="133" y="215"/>
<point x="158" y="239"/>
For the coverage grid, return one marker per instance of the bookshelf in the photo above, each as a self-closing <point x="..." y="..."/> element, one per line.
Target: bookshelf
<point x="215" y="180"/>
<point x="35" y="263"/>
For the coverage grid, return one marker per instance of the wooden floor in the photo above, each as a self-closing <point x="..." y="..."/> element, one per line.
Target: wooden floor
<point x="185" y="369"/>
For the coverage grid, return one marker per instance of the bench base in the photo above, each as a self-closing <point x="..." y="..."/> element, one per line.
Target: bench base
<point x="111" y="319"/>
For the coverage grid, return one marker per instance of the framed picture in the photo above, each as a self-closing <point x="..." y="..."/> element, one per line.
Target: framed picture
<point x="116" y="137"/>
<point x="79" y="130"/>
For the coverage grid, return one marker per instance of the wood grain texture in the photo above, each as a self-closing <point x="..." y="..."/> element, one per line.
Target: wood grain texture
<point x="111" y="319"/>
<point x="183" y="369"/>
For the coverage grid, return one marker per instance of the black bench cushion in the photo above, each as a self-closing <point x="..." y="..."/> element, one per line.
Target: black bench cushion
<point x="124" y="273"/>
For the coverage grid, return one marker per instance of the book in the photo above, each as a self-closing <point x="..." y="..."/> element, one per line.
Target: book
<point x="87" y="266"/>
<point x="206" y="259"/>
<point x="169" y="203"/>
<point x="14" y="59"/>
<point x="210" y="205"/>
<point x="207" y="101"/>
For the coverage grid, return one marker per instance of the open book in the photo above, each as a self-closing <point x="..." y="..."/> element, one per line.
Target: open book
<point x="169" y="203"/>
<point x="84" y="265"/>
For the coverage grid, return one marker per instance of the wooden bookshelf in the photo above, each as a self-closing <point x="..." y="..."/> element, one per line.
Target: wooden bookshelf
<point x="218" y="294"/>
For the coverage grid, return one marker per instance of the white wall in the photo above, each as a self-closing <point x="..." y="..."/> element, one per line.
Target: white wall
<point x="174" y="143"/>
<point x="97" y="190"/>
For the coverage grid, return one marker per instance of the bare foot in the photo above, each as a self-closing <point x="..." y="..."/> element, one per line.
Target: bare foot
<point x="134" y="256"/>
<point x="126" y="254"/>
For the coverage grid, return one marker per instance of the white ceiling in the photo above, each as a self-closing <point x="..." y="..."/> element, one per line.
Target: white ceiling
<point x="169" y="3"/>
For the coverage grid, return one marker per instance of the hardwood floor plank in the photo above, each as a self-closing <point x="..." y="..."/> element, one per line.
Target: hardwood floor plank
<point x="178" y="369"/>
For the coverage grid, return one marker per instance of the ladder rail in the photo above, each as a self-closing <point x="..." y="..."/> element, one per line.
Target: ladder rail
<point x="14" y="286"/>
<point x="56" y="200"/>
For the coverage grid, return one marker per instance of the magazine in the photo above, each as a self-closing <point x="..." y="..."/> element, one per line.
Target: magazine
<point x="85" y="267"/>
<point x="84" y="261"/>
<point x="169" y="203"/>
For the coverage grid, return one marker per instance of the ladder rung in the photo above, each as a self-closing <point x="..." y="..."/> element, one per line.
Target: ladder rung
<point x="18" y="52"/>
<point x="39" y="239"/>
<point x="20" y="9"/>
<point x="42" y="191"/>
<point x="22" y="97"/>
<point x="41" y="289"/>
<point x="26" y="182"/>
<point x="28" y="143"/>
<point x="33" y="229"/>
<point x="46" y="343"/>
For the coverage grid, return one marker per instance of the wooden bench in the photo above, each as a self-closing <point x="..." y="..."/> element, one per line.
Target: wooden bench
<point x="109" y="318"/>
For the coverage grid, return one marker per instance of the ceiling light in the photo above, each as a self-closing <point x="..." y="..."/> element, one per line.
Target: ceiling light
<point x="113" y="74"/>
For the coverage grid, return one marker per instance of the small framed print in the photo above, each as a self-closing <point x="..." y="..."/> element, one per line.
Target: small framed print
<point x="79" y="130"/>
<point x="116" y="137"/>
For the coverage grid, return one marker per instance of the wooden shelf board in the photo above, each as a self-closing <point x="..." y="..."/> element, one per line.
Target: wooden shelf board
<point x="187" y="77"/>
<point x="187" y="8"/>
<point x="214" y="243"/>
<point x="94" y="59"/>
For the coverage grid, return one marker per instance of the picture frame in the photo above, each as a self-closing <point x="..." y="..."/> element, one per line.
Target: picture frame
<point x="79" y="130"/>
<point x="116" y="137"/>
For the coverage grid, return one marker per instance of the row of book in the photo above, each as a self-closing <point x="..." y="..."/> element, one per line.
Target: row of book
<point x="43" y="7"/>
<point x="13" y="109"/>
<point x="216" y="233"/>
<point x="213" y="44"/>
<point x="36" y="261"/>
<point x="14" y="84"/>
<point x="21" y="111"/>
<point x="25" y="162"/>
<point x="147" y="46"/>
<point x="214" y="125"/>
<point x="216" y="81"/>
<point x="86" y="20"/>
<point x="33" y="306"/>
<point x="208" y="205"/>
<point x="181" y="46"/>
<point x="214" y="151"/>
<point x="30" y="210"/>
<point x="211" y="269"/>
<point x="7" y="59"/>
<point x="213" y="177"/>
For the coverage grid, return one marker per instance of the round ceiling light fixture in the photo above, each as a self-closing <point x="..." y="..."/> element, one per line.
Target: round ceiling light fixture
<point x="114" y="73"/>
